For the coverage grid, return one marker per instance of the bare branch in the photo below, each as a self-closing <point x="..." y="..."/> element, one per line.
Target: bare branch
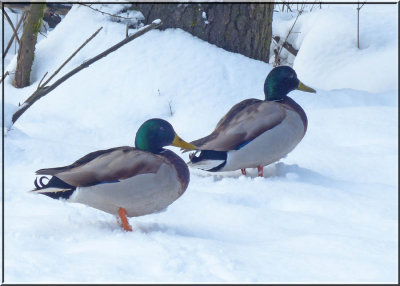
<point x="84" y="44"/>
<point x="277" y="59"/>
<point x="287" y="6"/>
<point x="60" y="9"/>
<point x="38" y="87"/>
<point x="358" y="23"/>
<point x="170" y="107"/>
<point x="294" y="23"/>
<point x="102" y="12"/>
<point x="13" y="36"/>
<point x="4" y="76"/>
<point x="12" y="26"/>
<point x="46" y="89"/>
<point x="287" y="46"/>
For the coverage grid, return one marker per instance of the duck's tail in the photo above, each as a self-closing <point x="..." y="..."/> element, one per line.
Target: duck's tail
<point x="55" y="188"/>
<point x="208" y="160"/>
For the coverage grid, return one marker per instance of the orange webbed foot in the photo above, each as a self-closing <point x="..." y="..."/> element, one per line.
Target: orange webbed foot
<point x="260" y="171"/>
<point x="124" y="221"/>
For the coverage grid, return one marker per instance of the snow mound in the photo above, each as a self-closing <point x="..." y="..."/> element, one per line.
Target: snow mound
<point x="328" y="56"/>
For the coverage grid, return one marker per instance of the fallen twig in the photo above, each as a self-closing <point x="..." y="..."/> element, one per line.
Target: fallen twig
<point x="46" y="89"/>
<point x="84" y="44"/>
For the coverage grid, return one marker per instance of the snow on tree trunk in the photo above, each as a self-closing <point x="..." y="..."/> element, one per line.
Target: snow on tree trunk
<point x="27" y="45"/>
<point x="240" y="28"/>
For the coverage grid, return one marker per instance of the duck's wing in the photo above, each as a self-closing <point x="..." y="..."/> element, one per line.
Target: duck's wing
<point x="85" y="159"/>
<point x="244" y="122"/>
<point x="109" y="165"/>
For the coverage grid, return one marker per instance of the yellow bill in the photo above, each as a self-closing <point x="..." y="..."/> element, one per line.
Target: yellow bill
<point x="305" y="88"/>
<point x="178" y="142"/>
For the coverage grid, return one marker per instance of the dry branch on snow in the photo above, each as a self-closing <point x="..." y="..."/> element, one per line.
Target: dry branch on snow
<point x="44" y="90"/>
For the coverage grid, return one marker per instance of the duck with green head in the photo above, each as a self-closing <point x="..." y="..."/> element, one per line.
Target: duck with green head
<point x="124" y="181"/>
<point x="255" y="133"/>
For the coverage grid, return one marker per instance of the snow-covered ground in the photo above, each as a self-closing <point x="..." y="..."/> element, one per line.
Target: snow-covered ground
<point x="328" y="212"/>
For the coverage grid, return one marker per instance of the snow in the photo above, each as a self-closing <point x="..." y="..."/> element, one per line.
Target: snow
<point x="128" y="17"/>
<point x="328" y="212"/>
<point x="329" y="57"/>
<point x="204" y="16"/>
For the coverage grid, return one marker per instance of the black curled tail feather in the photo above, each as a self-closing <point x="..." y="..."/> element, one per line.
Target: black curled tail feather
<point x="54" y="182"/>
<point x="55" y="188"/>
<point x="40" y="185"/>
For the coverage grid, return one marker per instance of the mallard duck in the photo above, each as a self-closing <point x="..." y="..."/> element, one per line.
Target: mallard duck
<point x="124" y="181"/>
<point x="255" y="133"/>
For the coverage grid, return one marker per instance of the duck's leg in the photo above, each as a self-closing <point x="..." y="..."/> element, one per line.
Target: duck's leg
<point x="243" y="171"/>
<point x="260" y="171"/>
<point x="124" y="220"/>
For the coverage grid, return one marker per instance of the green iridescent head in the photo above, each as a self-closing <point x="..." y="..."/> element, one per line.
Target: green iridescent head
<point x="280" y="81"/>
<point x="154" y="134"/>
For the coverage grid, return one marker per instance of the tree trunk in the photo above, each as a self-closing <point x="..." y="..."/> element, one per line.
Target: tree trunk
<point x="26" y="49"/>
<point x="240" y="28"/>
